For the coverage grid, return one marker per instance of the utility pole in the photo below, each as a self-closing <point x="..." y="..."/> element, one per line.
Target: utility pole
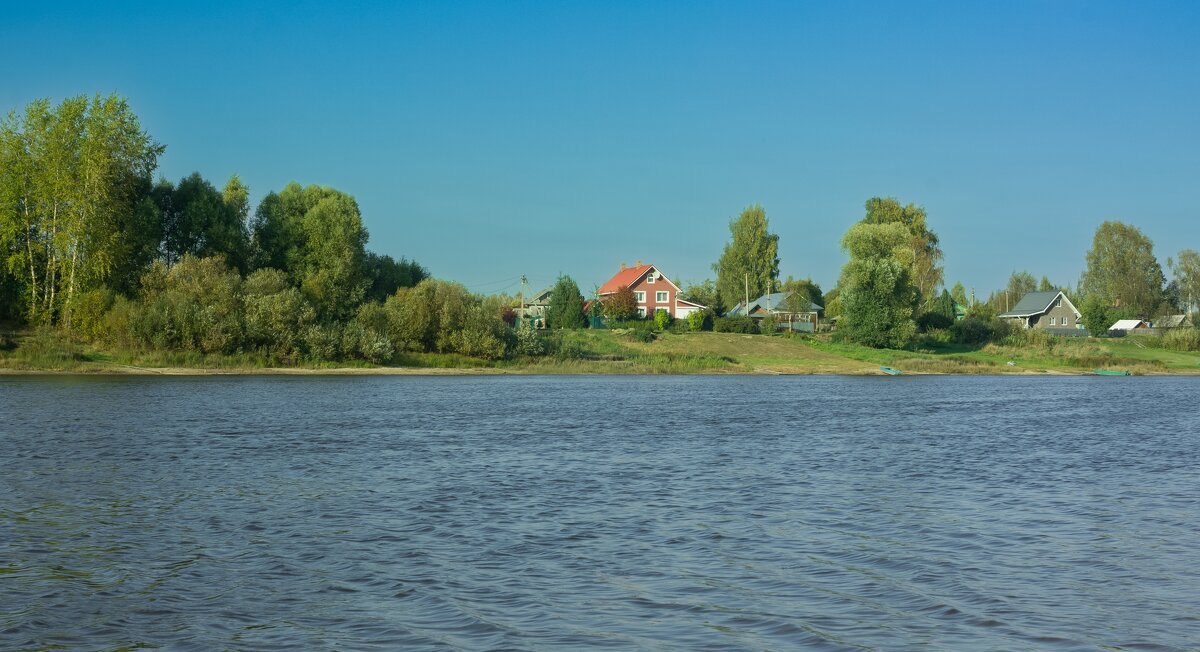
<point x="521" y="296"/>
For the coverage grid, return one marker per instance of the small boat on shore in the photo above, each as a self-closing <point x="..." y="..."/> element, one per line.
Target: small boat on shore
<point x="1110" y="372"/>
<point x="891" y="371"/>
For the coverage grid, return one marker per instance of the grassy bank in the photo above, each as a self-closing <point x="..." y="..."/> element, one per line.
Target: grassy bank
<point x="607" y="352"/>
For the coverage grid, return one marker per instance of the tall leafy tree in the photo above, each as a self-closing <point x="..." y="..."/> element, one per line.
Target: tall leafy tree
<point x="1122" y="270"/>
<point x="1186" y="271"/>
<point x="620" y="305"/>
<point x="805" y="288"/>
<point x="386" y="275"/>
<point x="566" y="305"/>
<point x="200" y="221"/>
<point x="960" y="294"/>
<point x="750" y="262"/>
<point x="74" y="175"/>
<point x="927" y="271"/>
<point x="877" y="295"/>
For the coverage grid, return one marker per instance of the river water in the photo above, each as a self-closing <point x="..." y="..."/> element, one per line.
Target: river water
<point x="638" y="513"/>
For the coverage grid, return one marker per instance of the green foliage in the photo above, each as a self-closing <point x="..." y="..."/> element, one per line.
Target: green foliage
<point x="276" y="314"/>
<point x="697" y="319"/>
<point x="1122" y="270"/>
<point x="444" y="317"/>
<point x="528" y="341"/>
<point x="662" y="319"/>
<point x="932" y="321"/>
<point x="740" y="324"/>
<point x="703" y="293"/>
<point x="1181" y="339"/>
<point x="72" y="178"/>
<point x="620" y="305"/>
<point x="1185" y="269"/>
<point x="566" y="305"/>
<point x="87" y="317"/>
<point x="804" y="293"/>
<point x="386" y="275"/>
<point x="976" y="330"/>
<point x="769" y="325"/>
<point x="752" y="256"/>
<point x="926" y="258"/>
<point x="877" y="295"/>
<point x="199" y="221"/>
<point x="960" y="294"/>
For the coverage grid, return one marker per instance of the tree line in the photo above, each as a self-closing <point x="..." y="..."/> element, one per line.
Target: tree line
<point x="91" y="244"/>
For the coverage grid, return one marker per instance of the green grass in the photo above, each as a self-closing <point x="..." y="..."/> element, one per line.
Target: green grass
<point x="609" y="352"/>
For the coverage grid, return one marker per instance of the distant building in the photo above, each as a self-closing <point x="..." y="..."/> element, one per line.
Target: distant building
<point x="651" y="290"/>
<point x="1045" y="311"/>
<point x="1127" y="326"/>
<point x="804" y="319"/>
<point x="1167" y="322"/>
<point x="537" y="307"/>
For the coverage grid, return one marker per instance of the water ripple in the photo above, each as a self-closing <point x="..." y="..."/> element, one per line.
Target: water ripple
<point x="609" y="513"/>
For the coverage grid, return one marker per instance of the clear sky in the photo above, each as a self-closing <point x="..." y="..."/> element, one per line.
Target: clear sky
<point x="493" y="139"/>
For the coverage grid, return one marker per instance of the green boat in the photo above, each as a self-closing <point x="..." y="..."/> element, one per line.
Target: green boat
<point x="891" y="372"/>
<point x="1110" y="372"/>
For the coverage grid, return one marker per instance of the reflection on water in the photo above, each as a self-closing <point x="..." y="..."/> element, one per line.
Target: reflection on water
<point x="616" y="512"/>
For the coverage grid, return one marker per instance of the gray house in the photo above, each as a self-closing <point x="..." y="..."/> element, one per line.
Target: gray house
<point x="536" y="308"/>
<point x="1051" y="311"/>
<point x="804" y="319"/>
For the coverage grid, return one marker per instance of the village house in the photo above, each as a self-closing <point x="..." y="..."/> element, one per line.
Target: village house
<point x="779" y="304"/>
<point x="1051" y="311"/>
<point x="652" y="291"/>
<point x="1124" y="327"/>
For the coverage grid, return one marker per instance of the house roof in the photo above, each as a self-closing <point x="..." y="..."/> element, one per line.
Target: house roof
<point x="775" y="300"/>
<point x="541" y="298"/>
<point x="1036" y="303"/>
<point x="628" y="276"/>
<point x="1171" y="321"/>
<point x="1126" y="325"/>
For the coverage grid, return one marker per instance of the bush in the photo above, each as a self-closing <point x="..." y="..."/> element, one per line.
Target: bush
<point x="932" y="321"/>
<point x="87" y="313"/>
<point x="528" y="342"/>
<point x="980" y="330"/>
<point x="695" y="321"/>
<point x="1182" y="339"/>
<point x="662" y="319"/>
<point x="321" y="343"/>
<point x="769" y="325"/>
<point x="735" y="325"/>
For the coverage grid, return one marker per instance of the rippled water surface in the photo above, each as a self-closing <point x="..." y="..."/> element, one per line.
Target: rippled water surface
<point x="827" y="513"/>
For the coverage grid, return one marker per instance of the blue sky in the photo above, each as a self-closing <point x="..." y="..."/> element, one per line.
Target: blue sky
<point x="493" y="139"/>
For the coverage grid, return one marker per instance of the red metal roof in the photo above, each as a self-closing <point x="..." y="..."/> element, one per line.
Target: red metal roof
<point x="626" y="277"/>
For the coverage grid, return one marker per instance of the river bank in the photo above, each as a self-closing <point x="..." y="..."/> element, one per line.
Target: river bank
<point x="606" y="352"/>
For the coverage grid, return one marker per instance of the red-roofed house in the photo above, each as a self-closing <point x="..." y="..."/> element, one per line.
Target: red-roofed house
<point x="652" y="290"/>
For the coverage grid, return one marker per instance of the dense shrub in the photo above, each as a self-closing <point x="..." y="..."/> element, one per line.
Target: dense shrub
<point x="662" y="319"/>
<point x="1176" y="339"/>
<point x="445" y="317"/>
<point x="769" y="325"/>
<point x="86" y="317"/>
<point x="696" y="321"/>
<point x="931" y="321"/>
<point x="980" y="330"/>
<point x="276" y="314"/>
<point x="527" y="340"/>
<point x="734" y="325"/>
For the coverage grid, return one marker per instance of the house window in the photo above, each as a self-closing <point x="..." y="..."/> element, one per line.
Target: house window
<point x="641" y="311"/>
<point x="1052" y="321"/>
<point x="640" y="297"/>
<point x="650" y="278"/>
<point x="661" y="296"/>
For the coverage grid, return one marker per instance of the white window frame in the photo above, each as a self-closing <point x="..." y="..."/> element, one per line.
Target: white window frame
<point x="650" y="277"/>
<point x="641" y="312"/>
<point x="662" y="296"/>
<point x="639" y="296"/>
